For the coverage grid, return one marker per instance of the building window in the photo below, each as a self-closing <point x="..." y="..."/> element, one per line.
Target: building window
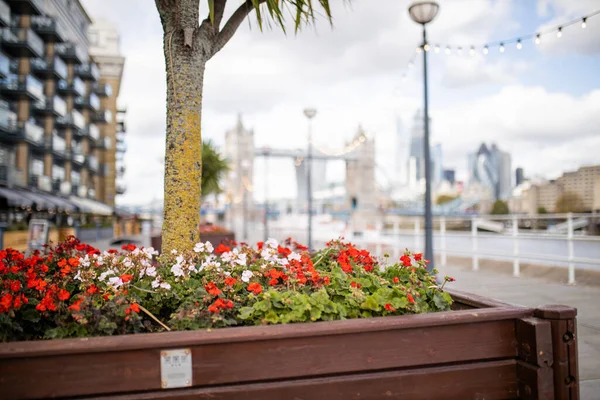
<point x="37" y="167"/>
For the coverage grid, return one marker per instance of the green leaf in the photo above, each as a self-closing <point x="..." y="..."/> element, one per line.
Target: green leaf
<point x="211" y="10"/>
<point x="246" y="313"/>
<point x="370" y="304"/>
<point x="30" y="314"/>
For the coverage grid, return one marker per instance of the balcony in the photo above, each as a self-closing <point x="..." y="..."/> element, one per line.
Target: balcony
<point x="4" y="14"/>
<point x="121" y="189"/>
<point x="71" y="52"/>
<point x="22" y="42"/>
<point x="31" y="133"/>
<point x="28" y="7"/>
<point x="19" y="87"/>
<point x="121" y="128"/>
<point x="10" y="176"/>
<point x="102" y="117"/>
<point x="4" y="65"/>
<point x="77" y="156"/>
<point x="51" y="106"/>
<point x="48" y="28"/>
<point x="8" y="121"/>
<point x="88" y="71"/>
<point x="121" y="147"/>
<point x="76" y="87"/>
<point x="103" y="89"/>
<point x="74" y="120"/>
<point x="57" y="145"/>
<point x="91" y="163"/>
<point x="94" y="131"/>
<point x="44" y="69"/>
<point x="91" y="102"/>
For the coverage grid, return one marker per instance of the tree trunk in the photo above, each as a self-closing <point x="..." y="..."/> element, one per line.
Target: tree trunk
<point x="185" y="64"/>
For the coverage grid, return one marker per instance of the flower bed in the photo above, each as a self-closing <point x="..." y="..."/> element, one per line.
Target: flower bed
<point x="481" y="349"/>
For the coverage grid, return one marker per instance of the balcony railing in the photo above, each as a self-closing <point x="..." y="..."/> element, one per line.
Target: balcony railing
<point x="76" y="87"/>
<point x="121" y="189"/>
<point x="27" y="7"/>
<point x="48" y="28"/>
<point x="22" y="86"/>
<point x="88" y="71"/>
<point x="45" y="69"/>
<point x="59" y="145"/>
<point x="92" y="163"/>
<point x="4" y="14"/>
<point x="8" y="120"/>
<point x="11" y="176"/>
<point x="94" y="131"/>
<point x="78" y="120"/>
<point x="91" y="102"/>
<point x="103" y="89"/>
<point x="4" y="65"/>
<point x="71" y="52"/>
<point x="121" y="147"/>
<point x="102" y="117"/>
<point x="51" y="105"/>
<point x="32" y="133"/>
<point x="22" y="42"/>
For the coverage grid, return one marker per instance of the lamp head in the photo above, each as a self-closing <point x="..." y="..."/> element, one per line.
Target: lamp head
<point x="423" y="12"/>
<point x="310" y="113"/>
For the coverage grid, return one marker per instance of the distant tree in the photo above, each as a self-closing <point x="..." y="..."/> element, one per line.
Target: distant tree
<point x="189" y="43"/>
<point x="500" y="208"/>
<point x="542" y="210"/>
<point x="213" y="167"/>
<point x="444" y="198"/>
<point x="569" y="202"/>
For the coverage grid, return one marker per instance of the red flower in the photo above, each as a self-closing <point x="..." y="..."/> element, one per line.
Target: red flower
<point x="355" y="285"/>
<point x="212" y="289"/>
<point x="368" y="268"/>
<point x="6" y="302"/>
<point x="76" y="306"/>
<point x="344" y="262"/>
<point x="389" y="307"/>
<point x="63" y="294"/>
<point x="396" y="280"/>
<point x="93" y="289"/>
<point x="418" y="256"/>
<point x="128" y="247"/>
<point x="15" y="286"/>
<point x="220" y="304"/>
<point x="284" y="251"/>
<point x="406" y="260"/>
<point x="273" y="282"/>
<point x="134" y="307"/>
<point x="326" y="280"/>
<point x="80" y="247"/>
<point x="255" y="288"/>
<point x="230" y="281"/>
<point x="222" y="249"/>
<point x="410" y="298"/>
<point x="44" y="268"/>
<point x="126" y="277"/>
<point x="62" y="263"/>
<point x="73" y="262"/>
<point x="259" y="245"/>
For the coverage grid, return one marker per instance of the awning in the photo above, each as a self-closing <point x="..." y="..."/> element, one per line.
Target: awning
<point x="38" y="201"/>
<point x="60" y="203"/>
<point x="14" y="199"/>
<point x="91" y="206"/>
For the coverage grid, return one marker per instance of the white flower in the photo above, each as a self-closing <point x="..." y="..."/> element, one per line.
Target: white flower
<point x="179" y="259"/>
<point x="136" y="251"/>
<point x="99" y="260"/>
<point x="165" y="285"/>
<point x="78" y="275"/>
<point x="149" y="252"/>
<point x="150" y="271"/>
<point x="155" y="283"/>
<point x="294" y="256"/>
<point x="228" y="256"/>
<point x="272" y="243"/>
<point x="246" y="275"/>
<point x="115" y="282"/>
<point x="199" y="247"/>
<point x="208" y="247"/>
<point x="177" y="270"/>
<point x="241" y="260"/>
<point x="282" y="261"/>
<point x="105" y="274"/>
<point x="173" y="251"/>
<point x="85" y="261"/>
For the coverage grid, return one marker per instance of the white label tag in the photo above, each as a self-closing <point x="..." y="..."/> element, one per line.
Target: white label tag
<point x="176" y="368"/>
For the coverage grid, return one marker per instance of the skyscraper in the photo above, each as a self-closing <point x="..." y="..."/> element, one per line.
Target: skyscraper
<point x="519" y="176"/>
<point x="450" y="175"/>
<point x="491" y="168"/>
<point x="417" y="147"/>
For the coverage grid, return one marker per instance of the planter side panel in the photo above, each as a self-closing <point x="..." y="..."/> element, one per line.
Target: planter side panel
<point x="485" y="380"/>
<point x="252" y="361"/>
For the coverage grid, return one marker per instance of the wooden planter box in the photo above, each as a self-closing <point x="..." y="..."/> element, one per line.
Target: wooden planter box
<point x="482" y="350"/>
<point x="215" y="238"/>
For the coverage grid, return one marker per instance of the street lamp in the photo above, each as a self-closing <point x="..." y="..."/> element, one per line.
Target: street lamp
<point x="423" y="12"/>
<point x="266" y="220"/>
<point x="310" y="113"/>
<point x="245" y="169"/>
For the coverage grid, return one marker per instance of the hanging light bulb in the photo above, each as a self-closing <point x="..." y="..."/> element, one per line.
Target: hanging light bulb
<point x="538" y="39"/>
<point x="559" y="32"/>
<point x="486" y="49"/>
<point x="418" y="50"/>
<point x="519" y="45"/>
<point x="426" y="47"/>
<point x="501" y="47"/>
<point x="472" y="51"/>
<point x="460" y="51"/>
<point x="447" y="50"/>
<point x="437" y="48"/>
<point x="583" y="23"/>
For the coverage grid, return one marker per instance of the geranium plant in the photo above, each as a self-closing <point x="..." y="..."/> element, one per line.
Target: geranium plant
<point x="75" y="290"/>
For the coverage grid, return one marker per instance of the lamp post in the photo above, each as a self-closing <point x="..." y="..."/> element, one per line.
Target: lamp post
<point x="310" y="113"/>
<point x="423" y="12"/>
<point x="266" y="220"/>
<point x="245" y="168"/>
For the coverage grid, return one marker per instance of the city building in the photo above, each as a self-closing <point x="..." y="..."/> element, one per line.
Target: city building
<point x="437" y="165"/>
<point x="54" y="109"/>
<point x="450" y="176"/>
<point x="416" y="162"/>
<point x="519" y="176"/>
<point x="585" y="183"/>
<point x="491" y="168"/>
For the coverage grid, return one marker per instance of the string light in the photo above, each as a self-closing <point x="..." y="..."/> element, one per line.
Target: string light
<point x="472" y="51"/>
<point x="519" y="45"/>
<point x="426" y="47"/>
<point x="559" y="32"/>
<point x="418" y="50"/>
<point x="501" y="47"/>
<point x="447" y="50"/>
<point x="486" y="49"/>
<point x="437" y="48"/>
<point x="538" y="39"/>
<point x="583" y="23"/>
<point x="460" y="51"/>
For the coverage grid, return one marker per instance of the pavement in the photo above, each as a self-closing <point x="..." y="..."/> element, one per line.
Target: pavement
<point x="533" y="292"/>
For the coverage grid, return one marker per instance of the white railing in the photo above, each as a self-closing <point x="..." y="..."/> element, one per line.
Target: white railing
<point x="394" y="234"/>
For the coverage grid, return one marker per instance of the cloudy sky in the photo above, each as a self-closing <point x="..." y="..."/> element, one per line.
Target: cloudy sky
<point x="540" y="103"/>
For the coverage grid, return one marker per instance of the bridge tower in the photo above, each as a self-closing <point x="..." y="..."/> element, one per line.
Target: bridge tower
<point x="239" y="152"/>
<point x="361" y="190"/>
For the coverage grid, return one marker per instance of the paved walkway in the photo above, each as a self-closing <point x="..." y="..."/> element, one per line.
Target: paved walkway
<point x="535" y="292"/>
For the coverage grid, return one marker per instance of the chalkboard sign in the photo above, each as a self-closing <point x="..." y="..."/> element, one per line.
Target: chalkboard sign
<point x="38" y="234"/>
